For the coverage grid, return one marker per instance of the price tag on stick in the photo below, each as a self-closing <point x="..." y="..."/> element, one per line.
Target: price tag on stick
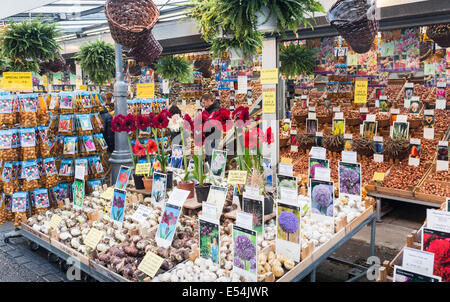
<point x="150" y="264"/>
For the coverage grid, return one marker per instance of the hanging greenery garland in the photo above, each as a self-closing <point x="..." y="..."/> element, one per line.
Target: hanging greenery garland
<point x="177" y="68"/>
<point x="97" y="59"/>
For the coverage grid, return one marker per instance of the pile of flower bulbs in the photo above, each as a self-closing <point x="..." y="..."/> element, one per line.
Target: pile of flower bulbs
<point x="349" y="206"/>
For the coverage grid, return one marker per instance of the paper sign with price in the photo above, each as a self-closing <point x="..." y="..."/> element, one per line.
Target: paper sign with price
<point x="269" y="98"/>
<point x="150" y="264"/>
<point x="286" y="160"/>
<point x="269" y="76"/>
<point x="108" y="194"/>
<point x="93" y="238"/>
<point x="378" y="176"/>
<point x="145" y="90"/>
<point x="142" y="169"/>
<point x="55" y="221"/>
<point x="236" y="177"/>
<point x="17" y="81"/>
<point x="361" y="91"/>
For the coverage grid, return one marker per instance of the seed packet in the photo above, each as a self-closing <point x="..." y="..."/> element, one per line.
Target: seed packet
<point x="100" y="141"/>
<point x="84" y="162"/>
<point x="43" y="142"/>
<point x="6" y="151"/>
<point x="88" y="142"/>
<point x="27" y="110"/>
<point x="92" y="184"/>
<point x="70" y="145"/>
<point x="7" y="178"/>
<point x="84" y="122"/>
<point x="30" y="175"/>
<point x="66" y="102"/>
<point x="42" y="112"/>
<point x="19" y="202"/>
<point x="41" y="199"/>
<point x="28" y="143"/>
<point x="146" y="106"/>
<point x="6" y="108"/>
<point x="66" y="124"/>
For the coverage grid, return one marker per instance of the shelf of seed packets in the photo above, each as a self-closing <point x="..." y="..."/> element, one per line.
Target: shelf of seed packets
<point x="146" y="107"/>
<point x="75" y="128"/>
<point x="24" y="154"/>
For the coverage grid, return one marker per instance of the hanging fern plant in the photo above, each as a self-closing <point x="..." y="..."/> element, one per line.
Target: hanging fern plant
<point x="177" y="68"/>
<point x="97" y="59"/>
<point x="245" y="46"/>
<point x="297" y="60"/>
<point x="30" y="40"/>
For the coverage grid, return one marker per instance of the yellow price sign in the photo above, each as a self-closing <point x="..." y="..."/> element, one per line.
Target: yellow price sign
<point x="378" y="176"/>
<point x="145" y="90"/>
<point x="93" y="238"/>
<point x="45" y="80"/>
<point x="143" y="169"/>
<point x="269" y="76"/>
<point x="55" y="221"/>
<point x="361" y="91"/>
<point x="108" y="194"/>
<point x="150" y="264"/>
<point x="17" y="81"/>
<point x="269" y="100"/>
<point x="286" y="160"/>
<point x="236" y="177"/>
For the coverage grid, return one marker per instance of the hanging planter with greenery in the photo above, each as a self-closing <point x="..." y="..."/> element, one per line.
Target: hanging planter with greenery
<point x="241" y="18"/>
<point x="97" y="59"/>
<point x="177" y="68"/>
<point x="28" y="42"/>
<point x="297" y="60"/>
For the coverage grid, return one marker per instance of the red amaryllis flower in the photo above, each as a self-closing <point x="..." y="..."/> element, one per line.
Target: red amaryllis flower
<point x="161" y="121"/>
<point x="250" y="140"/>
<point x="151" y="146"/>
<point x="130" y="123"/>
<point x="269" y="138"/>
<point x="143" y="122"/>
<point x="166" y="113"/>
<point x="223" y="116"/>
<point x="118" y="123"/>
<point x="151" y="116"/>
<point x="138" y="148"/>
<point x="241" y="114"/>
<point x="200" y="120"/>
<point x="188" y="123"/>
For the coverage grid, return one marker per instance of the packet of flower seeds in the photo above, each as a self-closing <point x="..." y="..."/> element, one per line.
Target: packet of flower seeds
<point x="70" y="145"/>
<point x="41" y="199"/>
<point x="19" y="202"/>
<point x="6" y="108"/>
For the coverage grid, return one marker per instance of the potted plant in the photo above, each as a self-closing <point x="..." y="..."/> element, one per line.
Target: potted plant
<point x="29" y="42"/>
<point x="297" y="60"/>
<point x="97" y="59"/>
<point x="174" y="67"/>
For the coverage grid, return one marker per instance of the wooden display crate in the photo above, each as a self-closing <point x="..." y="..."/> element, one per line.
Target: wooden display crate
<point x="70" y="251"/>
<point x="34" y="232"/>
<point x="395" y="192"/>
<point x="355" y="222"/>
<point x="426" y="180"/>
<point x="105" y="271"/>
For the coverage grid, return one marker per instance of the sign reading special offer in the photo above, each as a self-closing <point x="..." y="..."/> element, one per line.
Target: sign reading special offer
<point x="17" y="81"/>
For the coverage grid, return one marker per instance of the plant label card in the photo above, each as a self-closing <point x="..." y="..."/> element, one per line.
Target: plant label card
<point x="288" y="194"/>
<point x="363" y="110"/>
<point x="122" y="178"/>
<point x="268" y="174"/>
<point x="349" y="157"/>
<point x="150" y="264"/>
<point x="318" y="152"/>
<point x="209" y="243"/>
<point x="312" y="125"/>
<point x="437" y="242"/>
<point x="414" y="152"/>
<point x="369" y="128"/>
<point x="118" y="207"/>
<point x="442" y="156"/>
<point x="244" y="253"/>
<point x="428" y="124"/>
<point x="338" y="127"/>
<point x="414" y="106"/>
<point x="418" y="261"/>
<point x="79" y="172"/>
<point x="322" y="201"/>
<point x="441" y="102"/>
<point x="209" y="210"/>
<point x="286" y="169"/>
<point x="337" y="109"/>
<point x="242" y="84"/>
<point x="404" y="275"/>
<point x="378" y="149"/>
<point x="288" y="231"/>
<point x="255" y="206"/>
<point x="159" y="187"/>
<point x="314" y="163"/>
<point x="217" y="196"/>
<point x="141" y="214"/>
<point x="78" y="193"/>
<point x="252" y="191"/>
<point x="350" y="179"/>
<point x="178" y="197"/>
<point x="311" y="109"/>
<point x="244" y="220"/>
<point x="438" y="220"/>
<point x="218" y="163"/>
<point x="371" y="117"/>
<point x="400" y="130"/>
<point x="287" y="182"/>
<point x="167" y="226"/>
<point x="322" y="173"/>
<point x="93" y="238"/>
<point x="55" y="221"/>
<point x="176" y="160"/>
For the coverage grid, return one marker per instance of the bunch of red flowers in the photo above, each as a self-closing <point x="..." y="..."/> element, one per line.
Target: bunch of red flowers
<point x="130" y="122"/>
<point x="241" y="116"/>
<point x="142" y="150"/>
<point x="440" y="246"/>
<point x="205" y="122"/>
<point x="255" y="137"/>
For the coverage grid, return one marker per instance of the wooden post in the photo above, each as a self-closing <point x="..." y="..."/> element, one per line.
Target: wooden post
<point x="409" y="240"/>
<point x="382" y="276"/>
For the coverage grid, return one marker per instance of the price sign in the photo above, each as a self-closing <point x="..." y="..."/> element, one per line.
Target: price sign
<point x="286" y="160"/>
<point x="378" y="176"/>
<point x="269" y="76"/>
<point x="143" y="169"/>
<point x="93" y="238"/>
<point x="150" y="264"/>
<point x="269" y="98"/>
<point x="145" y="90"/>
<point x="236" y="177"/>
<point x="108" y="194"/>
<point x="17" y="81"/>
<point x="55" y="221"/>
<point x="361" y="91"/>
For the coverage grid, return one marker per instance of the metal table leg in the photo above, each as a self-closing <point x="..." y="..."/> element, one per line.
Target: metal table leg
<point x="372" y="237"/>
<point x="312" y="276"/>
<point x="378" y="200"/>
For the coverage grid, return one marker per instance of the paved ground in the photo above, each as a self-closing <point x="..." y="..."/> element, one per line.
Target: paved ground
<point x="19" y="263"/>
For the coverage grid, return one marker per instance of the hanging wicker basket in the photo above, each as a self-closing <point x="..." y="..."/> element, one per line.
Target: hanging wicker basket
<point x="440" y="33"/>
<point x="203" y="66"/>
<point x="130" y="21"/>
<point x="148" y="51"/>
<point x="355" y="21"/>
<point x="55" y="65"/>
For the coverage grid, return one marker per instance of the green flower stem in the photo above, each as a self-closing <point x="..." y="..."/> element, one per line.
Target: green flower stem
<point x="132" y="154"/>
<point x="186" y="173"/>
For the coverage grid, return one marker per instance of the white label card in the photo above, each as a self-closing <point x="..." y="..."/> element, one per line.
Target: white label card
<point x="438" y="220"/>
<point x="318" y="152"/>
<point x="165" y="87"/>
<point x="428" y="133"/>
<point x="418" y="261"/>
<point x="288" y="194"/>
<point x="349" y="157"/>
<point x="141" y="214"/>
<point x="348" y="136"/>
<point x="441" y="165"/>
<point x="364" y="110"/>
<point x="178" y="197"/>
<point x="378" y="158"/>
<point x="441" y="104"/>
<point x="312" y="109"/>
<point x="286" y="169"/>
<point x="395" y="111"/>
<point x="402" y="118"/>
<point x="371" y="118"/>
<point x="311" y="115"/>
<point x="244" y="220"/>
<point x="337" y="109"/>
<point x="242" y="84"/>
<point x="322" y="174"/>
<point x="377" y="138"/>
<point x="252" y="191"/>
<point x="209" y="210"/>
<point x="339" y="115"/>
<point x="79" y="172"/>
